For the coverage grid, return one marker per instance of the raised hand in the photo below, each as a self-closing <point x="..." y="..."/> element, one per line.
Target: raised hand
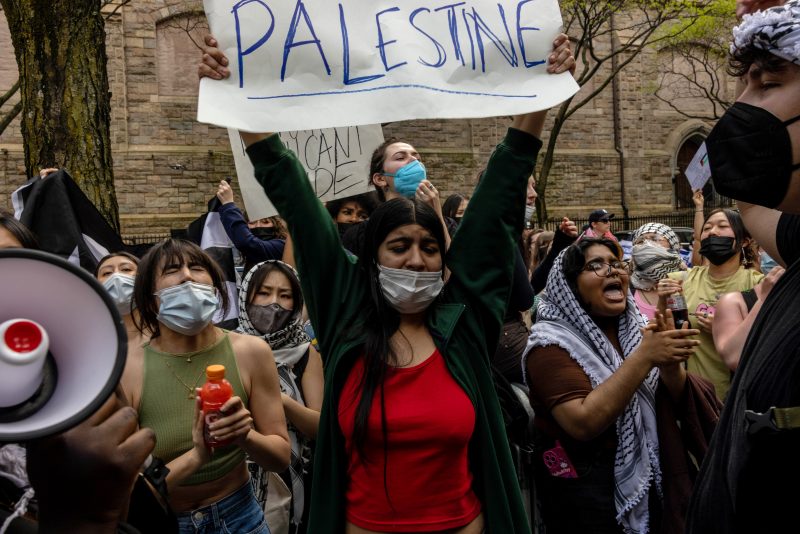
<point x="235" y="422"/>
<point x="214" y="64"/>
<point x="568" y="227"/>
<point x="224" y="192"/>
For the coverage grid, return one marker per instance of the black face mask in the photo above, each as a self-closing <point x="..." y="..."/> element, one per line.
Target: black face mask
<point x="718" y="250"/>
<point x="264" y="233"/>
<point x="344" y="227"/>
<point x="269" y="319"/>
<point x="750" y="155"/>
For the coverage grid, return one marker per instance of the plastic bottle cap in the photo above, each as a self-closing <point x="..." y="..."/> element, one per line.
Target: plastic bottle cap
<point x="215" y="372"/>
<point x="25" y="336"/>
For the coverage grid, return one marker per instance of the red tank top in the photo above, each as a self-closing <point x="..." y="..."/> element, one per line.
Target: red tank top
<point x="429" y="421"/>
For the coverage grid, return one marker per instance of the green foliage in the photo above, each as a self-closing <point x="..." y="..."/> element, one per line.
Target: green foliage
<point x="710" y="28"/>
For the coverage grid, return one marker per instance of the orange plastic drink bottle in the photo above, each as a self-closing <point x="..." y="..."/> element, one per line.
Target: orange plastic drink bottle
<point x="214" y="393"/>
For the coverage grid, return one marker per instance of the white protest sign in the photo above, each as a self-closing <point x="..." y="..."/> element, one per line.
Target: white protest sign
<point x="318" y="64"/>
<point x="699" y="171"/>
<point x="336" y="160"/>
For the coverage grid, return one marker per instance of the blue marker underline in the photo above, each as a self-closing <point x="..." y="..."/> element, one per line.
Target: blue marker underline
<point x="400" y="86"/>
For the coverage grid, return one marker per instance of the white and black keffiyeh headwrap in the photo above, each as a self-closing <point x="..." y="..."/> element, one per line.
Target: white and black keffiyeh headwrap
<point x="292" y="334"/>
<point x="659" y="229"/>
<point x="563" y="322"/>
<point x="775" y="30"/>
<point x="288" y="345"/>
<point x="651" y="263"/>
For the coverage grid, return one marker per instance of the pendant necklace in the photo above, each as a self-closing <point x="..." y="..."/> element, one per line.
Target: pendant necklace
<point x="191" y="389"/>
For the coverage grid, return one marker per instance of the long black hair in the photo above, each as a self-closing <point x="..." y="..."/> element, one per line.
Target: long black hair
<point x="20" y="232"/>
<point x="451" y="205"/>
<point x="382" y="320"/>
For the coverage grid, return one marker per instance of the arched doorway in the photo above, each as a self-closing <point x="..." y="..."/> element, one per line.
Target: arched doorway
<point x="683" y="191"/>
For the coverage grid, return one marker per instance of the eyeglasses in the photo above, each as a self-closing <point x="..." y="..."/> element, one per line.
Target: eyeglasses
<point x="657" y="239"/>
<point x="604" y="270"/>
<point x="604" y="220"/>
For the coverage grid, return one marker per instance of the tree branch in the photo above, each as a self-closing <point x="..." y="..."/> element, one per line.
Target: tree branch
<point x="6" y="118"/>
<point x="11" y="92"/>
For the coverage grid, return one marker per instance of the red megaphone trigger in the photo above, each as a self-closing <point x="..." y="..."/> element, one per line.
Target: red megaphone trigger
<point x="23" y="336"/>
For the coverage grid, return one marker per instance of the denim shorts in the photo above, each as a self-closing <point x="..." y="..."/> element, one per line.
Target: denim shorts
<point x="238" y="513"/>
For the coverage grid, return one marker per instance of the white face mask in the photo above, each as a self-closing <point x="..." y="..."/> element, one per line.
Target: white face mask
<point x="187" y="308"/>
<point x="120" y="288"/>
<point x="409" y="291"/>
<point x="529" y="212"/>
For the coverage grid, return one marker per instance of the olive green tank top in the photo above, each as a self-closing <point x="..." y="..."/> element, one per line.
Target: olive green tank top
<point x="167" y="403"/>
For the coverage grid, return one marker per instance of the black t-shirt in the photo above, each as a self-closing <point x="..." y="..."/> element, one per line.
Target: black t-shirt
<point x="749" y="481"/>
<point x="787" y="237"/>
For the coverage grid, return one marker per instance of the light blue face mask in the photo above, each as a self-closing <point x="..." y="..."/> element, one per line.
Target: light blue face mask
<point x="187" y="308"/>
<point x="767" y="263"/>
<point x="120" y="287"/>
<point x="408" y="178"/>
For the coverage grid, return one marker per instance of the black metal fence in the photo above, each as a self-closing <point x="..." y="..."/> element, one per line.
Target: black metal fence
<point x="144" y="239"/>
<point x="683" y="218"/>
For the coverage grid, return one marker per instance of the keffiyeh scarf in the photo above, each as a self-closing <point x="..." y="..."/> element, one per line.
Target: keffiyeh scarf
<point x="561" y="321"/>
<point x="292" y="334"/>
<point x="651" y="263"/>
<point x="775" y="30"/>
<point x="288" y="345"/>
<point x="659" y="229"/>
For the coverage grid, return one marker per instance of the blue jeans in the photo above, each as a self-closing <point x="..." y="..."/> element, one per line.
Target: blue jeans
<point x="238" y="513"/>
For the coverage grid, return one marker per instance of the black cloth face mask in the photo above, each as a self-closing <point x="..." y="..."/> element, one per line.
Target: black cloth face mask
<point x="264" y="233"/>
<point x="269" y="319"/>
<point x="750" y="155"/>
<point x="343" y="228"/>
<point x="718" y="250"/>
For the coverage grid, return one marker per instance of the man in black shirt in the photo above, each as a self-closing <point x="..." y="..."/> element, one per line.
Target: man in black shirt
<point x="749" y="480"/>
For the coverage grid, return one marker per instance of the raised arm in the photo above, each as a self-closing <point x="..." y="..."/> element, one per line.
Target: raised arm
<point x="732" y="322"/>
<point x="481" y="254"/>
<point x="327" y="275"/>
<point x="697" y="226"/>
<point x="762" y="223"/>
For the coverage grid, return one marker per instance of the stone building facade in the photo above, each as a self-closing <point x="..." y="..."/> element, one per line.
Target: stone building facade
<point x="167" y="165"/>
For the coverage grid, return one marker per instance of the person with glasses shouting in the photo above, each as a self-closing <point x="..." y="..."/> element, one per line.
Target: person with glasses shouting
<point x="608" y="391"/>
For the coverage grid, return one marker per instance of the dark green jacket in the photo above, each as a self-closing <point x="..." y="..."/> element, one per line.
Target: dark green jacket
<point x="465" y="320"/>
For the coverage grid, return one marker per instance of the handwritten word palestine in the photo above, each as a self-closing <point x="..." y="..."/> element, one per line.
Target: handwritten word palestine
<point x="455" y="34"/>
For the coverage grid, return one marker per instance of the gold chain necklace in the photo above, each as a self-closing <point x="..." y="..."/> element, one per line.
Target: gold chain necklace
<point x="191" y="389"/>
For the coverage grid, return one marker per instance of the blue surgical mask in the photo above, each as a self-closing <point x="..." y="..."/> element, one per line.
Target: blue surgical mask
<point x="187" y="308"/>
<point x="408" y="178"/>
<point x="767" y="263"/>
<point x="120" y="288"/>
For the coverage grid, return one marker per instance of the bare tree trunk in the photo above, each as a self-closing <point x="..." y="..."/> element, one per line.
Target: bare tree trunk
<point x="61" y="56"/>
<point x="543" y="176"/>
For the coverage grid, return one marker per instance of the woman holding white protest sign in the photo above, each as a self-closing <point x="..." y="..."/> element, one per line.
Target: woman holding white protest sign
<point x="411" y="436"/>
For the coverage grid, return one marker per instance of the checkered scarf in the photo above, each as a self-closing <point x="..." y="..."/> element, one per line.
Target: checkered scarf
<point x="651" y="263"/>
<point x="659" y="229"/>
<point x="775" y="30"/>
<point x="563" y="322"/>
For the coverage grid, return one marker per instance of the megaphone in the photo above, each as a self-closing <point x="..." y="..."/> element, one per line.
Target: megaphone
<point x="62" y="345"/>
